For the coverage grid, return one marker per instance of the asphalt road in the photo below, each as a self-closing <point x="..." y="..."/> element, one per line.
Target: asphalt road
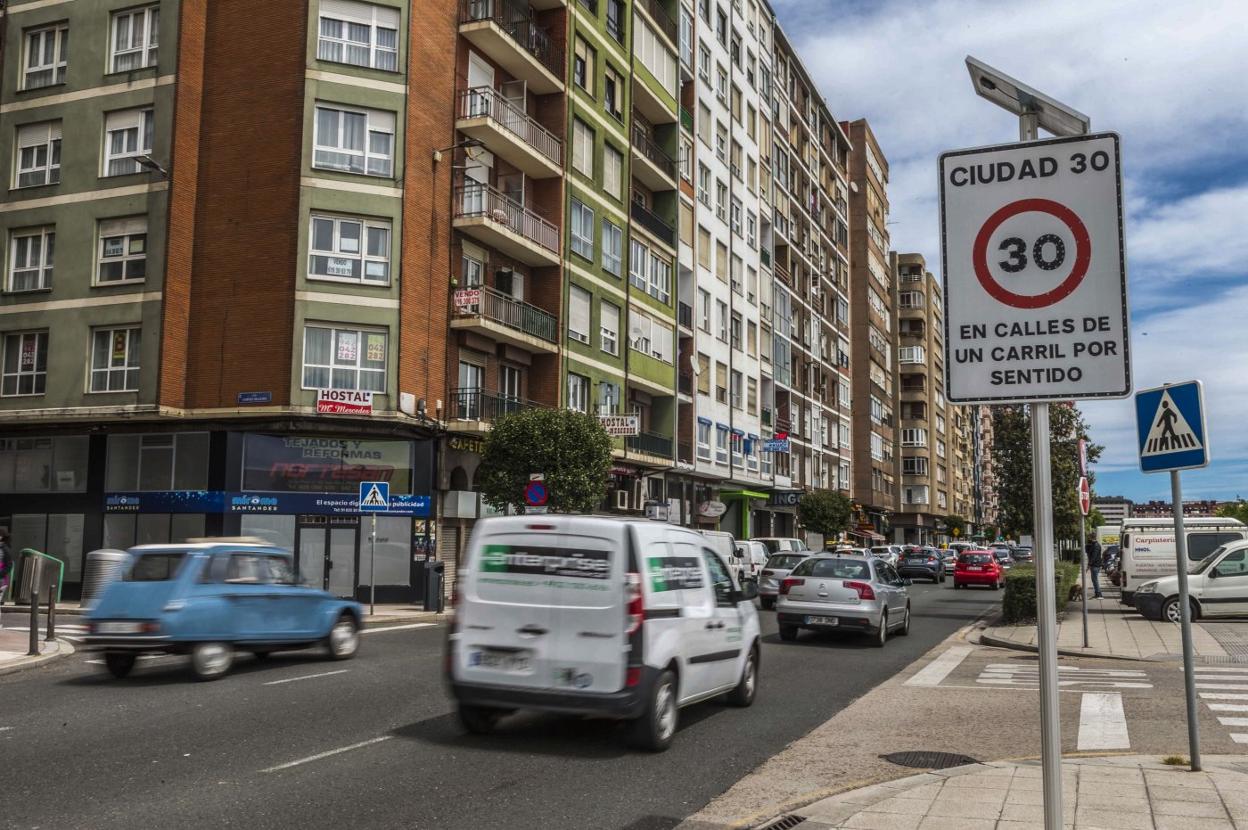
<point x="157" y="750"/>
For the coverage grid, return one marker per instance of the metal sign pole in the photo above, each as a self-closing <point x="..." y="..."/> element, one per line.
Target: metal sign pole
<point x="1189" y="677"/>
<point x="372" y="571"/>
<point x="1083" y="572"/>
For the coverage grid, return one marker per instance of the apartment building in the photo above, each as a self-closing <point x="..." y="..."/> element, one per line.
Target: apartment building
<point x="874" y="339"/>
<point x="239" y="328"/>
<point x="987" y="500"/>
<point x="1115" y="509"/>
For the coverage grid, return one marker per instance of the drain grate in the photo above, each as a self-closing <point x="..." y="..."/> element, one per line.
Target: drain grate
<point x="929" y="760"/>
<point x="784" y="823"/>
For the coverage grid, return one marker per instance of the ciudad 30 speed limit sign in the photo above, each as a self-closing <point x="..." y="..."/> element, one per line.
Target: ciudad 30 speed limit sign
<point x="1034" y="268"/>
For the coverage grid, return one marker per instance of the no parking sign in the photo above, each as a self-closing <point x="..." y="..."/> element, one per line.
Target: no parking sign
<point x="1035" y="271"/>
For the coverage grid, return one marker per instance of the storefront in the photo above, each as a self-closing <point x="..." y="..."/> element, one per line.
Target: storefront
<point x="296" y="488"/>
<point x="779" y="517"/>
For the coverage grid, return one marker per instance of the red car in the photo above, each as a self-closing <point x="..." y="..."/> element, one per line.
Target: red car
<point x="978" y="567"/>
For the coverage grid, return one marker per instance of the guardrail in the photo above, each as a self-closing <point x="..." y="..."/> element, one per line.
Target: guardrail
<point x="650" y="443"/>
<point x="475" y="404"/>
<point x="514" y="314"/>
<point x="650" y="149"/>
<point x="650" y="221"/>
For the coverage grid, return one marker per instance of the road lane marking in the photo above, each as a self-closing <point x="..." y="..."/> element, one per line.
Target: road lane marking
<point x="940" y="668"/>
<point x="1220" y="670"/>
<point x="1222" y="696"/>
<point x="397" y="627"/>
<point x="1102" y="722"/>
<point x="140" y="657"/>
<point x="1236" y="686"/>
<point x="1028" y="677"/>
<point x="327" y="754"/>
<point x="1233" y="721"/>
<point x="305" y="677"/>
<point x="1239" y="737"/>
<point x="1227" y="707"/>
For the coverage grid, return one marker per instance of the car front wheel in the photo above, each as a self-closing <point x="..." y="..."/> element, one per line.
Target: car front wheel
<point x="905" y="623"/>
<point x="119" y="663"/>
<point x="1172" y="611"/>
<point x="743" y="694"/>
<point x="344" y="639"/>
<point x="210" y="661"/>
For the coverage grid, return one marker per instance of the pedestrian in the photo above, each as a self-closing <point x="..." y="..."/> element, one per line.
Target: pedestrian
<point x="6" y="563"/>
<point x="1094" y="565"/>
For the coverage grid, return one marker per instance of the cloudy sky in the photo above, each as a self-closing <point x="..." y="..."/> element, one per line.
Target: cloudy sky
<point x="1171" y="78"/>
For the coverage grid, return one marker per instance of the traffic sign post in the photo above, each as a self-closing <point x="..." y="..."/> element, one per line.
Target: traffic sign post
<point x="1085" y="507"/>
<point x="374" y="499"/>
<point x="1173" y="436"/>
<point x="535" y="494"/>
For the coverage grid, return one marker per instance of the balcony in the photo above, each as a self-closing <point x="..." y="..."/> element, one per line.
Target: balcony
<point x="764" y="256"/>
<point x="506" y="319"/>
<point x="657" y="107"/>
<point x="663" y="22"/>
<point x="650" y="444"/>
<point x="652" y="166"/>
<point x="509" y="132"/>
<point x="685" y="384"/>
<point x="487" y="215"/>
<point x="474" y="409"/>
<point x="506" y="31"/>
<point x="686" y="120"/>
<point x="654" y="225"/>
<point x="684" y="315"/>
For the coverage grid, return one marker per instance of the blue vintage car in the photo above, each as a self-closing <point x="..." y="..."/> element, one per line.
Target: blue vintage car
<point x="212" y="599"/>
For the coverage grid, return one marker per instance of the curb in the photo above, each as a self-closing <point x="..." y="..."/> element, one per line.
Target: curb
<point x="986" y="639"/>
<point x="432" y="619"/>
<point x="64" y="649"/>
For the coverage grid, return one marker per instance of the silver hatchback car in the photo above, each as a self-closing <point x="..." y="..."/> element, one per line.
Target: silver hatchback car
<point x="831" y="592"/>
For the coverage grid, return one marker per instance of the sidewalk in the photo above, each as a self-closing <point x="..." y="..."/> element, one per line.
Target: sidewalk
<point x="14" y="646"/>
<point x="1114" y="630"/>
<point x="1125" y="793"/>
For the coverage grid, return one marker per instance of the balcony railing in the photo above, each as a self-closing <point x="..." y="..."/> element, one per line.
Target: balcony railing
<point x="487" y="102"/>
<point x="476" y="199"/>
<point x="643" y="216"/>
<point x="648" y="147"/>
<point x="684" y="313"/>
<point x="766" y="417"/>
<point x="650" y="443"/>
<point x="516" y="19"/>
<point x="661" y="17"/>
<point x="476" y="404"/>
<point x="514" y="314"/>
<point x="686" y="384"/>
<point x="686" y="119"/>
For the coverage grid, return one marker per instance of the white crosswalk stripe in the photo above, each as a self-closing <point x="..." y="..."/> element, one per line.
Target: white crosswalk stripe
<point x="1216" y="683"/>
<point x="1007" y="674"/>
<point x="1227" y="707"/>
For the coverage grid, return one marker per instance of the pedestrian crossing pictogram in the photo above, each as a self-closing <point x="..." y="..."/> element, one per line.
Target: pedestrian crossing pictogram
<point x="1170" y="431"/>
<point x="374" y="496"/>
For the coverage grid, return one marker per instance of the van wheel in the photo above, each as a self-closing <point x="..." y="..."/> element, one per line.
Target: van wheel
<point x="210" y="661"/>
<point x="1172" y="611"/>
<point x="788" y="633"/>
<point x="743" y="694"/>
<point x="656" y="727"/>
<point x="478" y="720"/>
<point x="881" y="637"/>
<point x="119" y="663"/>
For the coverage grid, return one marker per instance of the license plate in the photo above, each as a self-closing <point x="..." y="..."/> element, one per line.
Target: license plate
<point x="975" y="568"/>
<point x="118" y="627"/>
<point x="822" y="621"/>
<point x="508" y="661"/>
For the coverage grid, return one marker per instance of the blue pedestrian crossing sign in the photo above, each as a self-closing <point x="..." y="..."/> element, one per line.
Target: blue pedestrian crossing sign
<point x="1170" y="421"/>
<point x="374" y="496"/>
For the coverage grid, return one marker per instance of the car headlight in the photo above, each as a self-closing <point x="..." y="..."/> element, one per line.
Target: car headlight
<point x="1147" y="588"/>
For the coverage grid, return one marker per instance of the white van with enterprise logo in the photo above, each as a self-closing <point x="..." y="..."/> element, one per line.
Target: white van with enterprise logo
<point x="1147" y="547"/>
<point x="591" y="615"/>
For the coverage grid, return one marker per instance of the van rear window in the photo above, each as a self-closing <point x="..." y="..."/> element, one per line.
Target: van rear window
<point x="155" y="567"/>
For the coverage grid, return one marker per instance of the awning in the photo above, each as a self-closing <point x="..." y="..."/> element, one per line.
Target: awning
<point x="867" y="534"/>
<point x="742" y="494"/>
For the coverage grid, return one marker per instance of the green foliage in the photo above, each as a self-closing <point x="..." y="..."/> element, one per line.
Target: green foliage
<point x="954" y="522"/>
<point x="1095" y="519"/>
<point x="570" y="448"/>
<point x="1019" y="605"/>
<point x="1235" y="510"/>
<point x="1012" y="464"/>
<point x="825" y="512"/>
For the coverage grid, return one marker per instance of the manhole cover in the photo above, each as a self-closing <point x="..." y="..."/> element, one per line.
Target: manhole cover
<point x="929" y="760"/>
<point x="784" y="823"/>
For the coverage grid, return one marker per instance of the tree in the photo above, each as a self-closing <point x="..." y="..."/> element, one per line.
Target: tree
<point x="1011" y="455"/>
<point x="1234" y="510"/>
<point x="571" y="449"/>
<point x="955" y="524"/>
<point x="825" y="512"/>
<point x="1095" y="519"/>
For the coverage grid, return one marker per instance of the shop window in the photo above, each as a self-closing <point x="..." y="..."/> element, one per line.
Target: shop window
<point x="164" y="461"/>
<point x="41" y="465"/>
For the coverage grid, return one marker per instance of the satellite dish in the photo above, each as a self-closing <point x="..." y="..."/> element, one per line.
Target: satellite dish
<point x="693" y="365"/>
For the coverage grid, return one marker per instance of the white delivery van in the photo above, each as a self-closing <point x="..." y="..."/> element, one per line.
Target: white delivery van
<point x="782" y="544"/>
<point x="752" y="556"/>
<point x="725" y="545"/>
<point x="1147" y="547"/>
<point x="623" y="618"/>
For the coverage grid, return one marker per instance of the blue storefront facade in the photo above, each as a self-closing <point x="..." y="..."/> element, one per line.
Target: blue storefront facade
<point x="293" y="484"/>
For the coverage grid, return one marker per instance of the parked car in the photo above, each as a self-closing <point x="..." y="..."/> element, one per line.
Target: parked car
<point x="750" y="558"/>
<point x="926" y="563"/>
<point x="211" y="600"/>
<point x="773" y="573"/>
<point x="591" y="615"/>
<point x="831" y="592"/>
<point x="978" y="567"/>
<point x="1217" y="587"/>
<point x="782" y="544"/>
<point x="1022" y="553"/>
<point x="889" y="553"/>
<point x="1004" y="558"/>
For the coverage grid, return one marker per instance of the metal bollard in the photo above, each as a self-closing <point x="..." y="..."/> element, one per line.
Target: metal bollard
<point x="52" y="588"/>
<point x="34" y="609"/>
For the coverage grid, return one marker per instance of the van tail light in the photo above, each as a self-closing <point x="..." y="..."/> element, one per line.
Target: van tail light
<point x="632" y="677"/>
<point x="767" y="572"/>
<point x="864" y="590"/>
<point x="788" y="583"/>
<point x="635" y="604"/>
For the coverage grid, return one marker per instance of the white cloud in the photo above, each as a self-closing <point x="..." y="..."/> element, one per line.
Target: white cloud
<point x="1202" y="234"/>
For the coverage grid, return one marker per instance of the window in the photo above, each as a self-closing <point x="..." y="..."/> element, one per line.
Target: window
<point x="610" y="327"/>
<point x="360" y="34"/>
<point x="649" y="272"/>
<point x="721" y="141"/>
<point x="354" y="141"/>
<point x="721" y="444"/>
<point x="583" y="65"/>
<point x="914" y="437"/>
<point x="752" y="339"/>
<point x="612" y="171"/>
<point x="704" y="440"/>
<point x="912" y="354"/>
<point x="844" y="435"/>
<point x="721" y="82"/>
<point x="704" y="184"/>
<point x="877" y="447"/>
<point x="33" y="251"/>
<point x="136" y="36"/>
<point x="910" y="299"/>
<point x="736" y="326"/>
<point x="612" y="247"/>
<point x="704" y="63"/>
<point x="578" y="313"/>
<point x="914" y="466"/>
<point x="46" y="51"/>
<point x="735" y="100"/>
<point x="582" y="147"/>
<point x="115" y="360"/>
<point x="660" y="278"/>
<point x="704" y="310"/>
<point x="940" y="448"/>
<point x="721" y="200"/>
<point x="721" y="382"/>
<point x="704" y="123"/>
<point x="39" y="154"/>
<point x="608" y="397"/>
<point x="738" y="399"/>
<point x="578" y="393"/>
<point x="653" y="54"/>
<point x="25" y="364"/>
<point x="653" y="338"/>
<point x="127" y="134"/>
<point x="123" y="250"/>
<point x="734" y="216"/>
<point x="751" y="229"/>
<point x="582" y="222"/>
<point x="704" y="375"/>
<point x="613" y="93"/>
<point x="351" y="250"/>
<point x="721" y="27"/>
<point x="751" y="395"/>
<point x="342" y="358"/>
<point x="615" y="19"/>
<point x="723" y="320"/>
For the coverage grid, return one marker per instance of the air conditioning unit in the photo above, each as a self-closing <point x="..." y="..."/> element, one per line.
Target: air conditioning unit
<point x="622" y="499"/>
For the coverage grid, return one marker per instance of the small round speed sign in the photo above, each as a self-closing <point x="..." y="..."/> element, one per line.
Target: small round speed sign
<point x="1049" y="252"/>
